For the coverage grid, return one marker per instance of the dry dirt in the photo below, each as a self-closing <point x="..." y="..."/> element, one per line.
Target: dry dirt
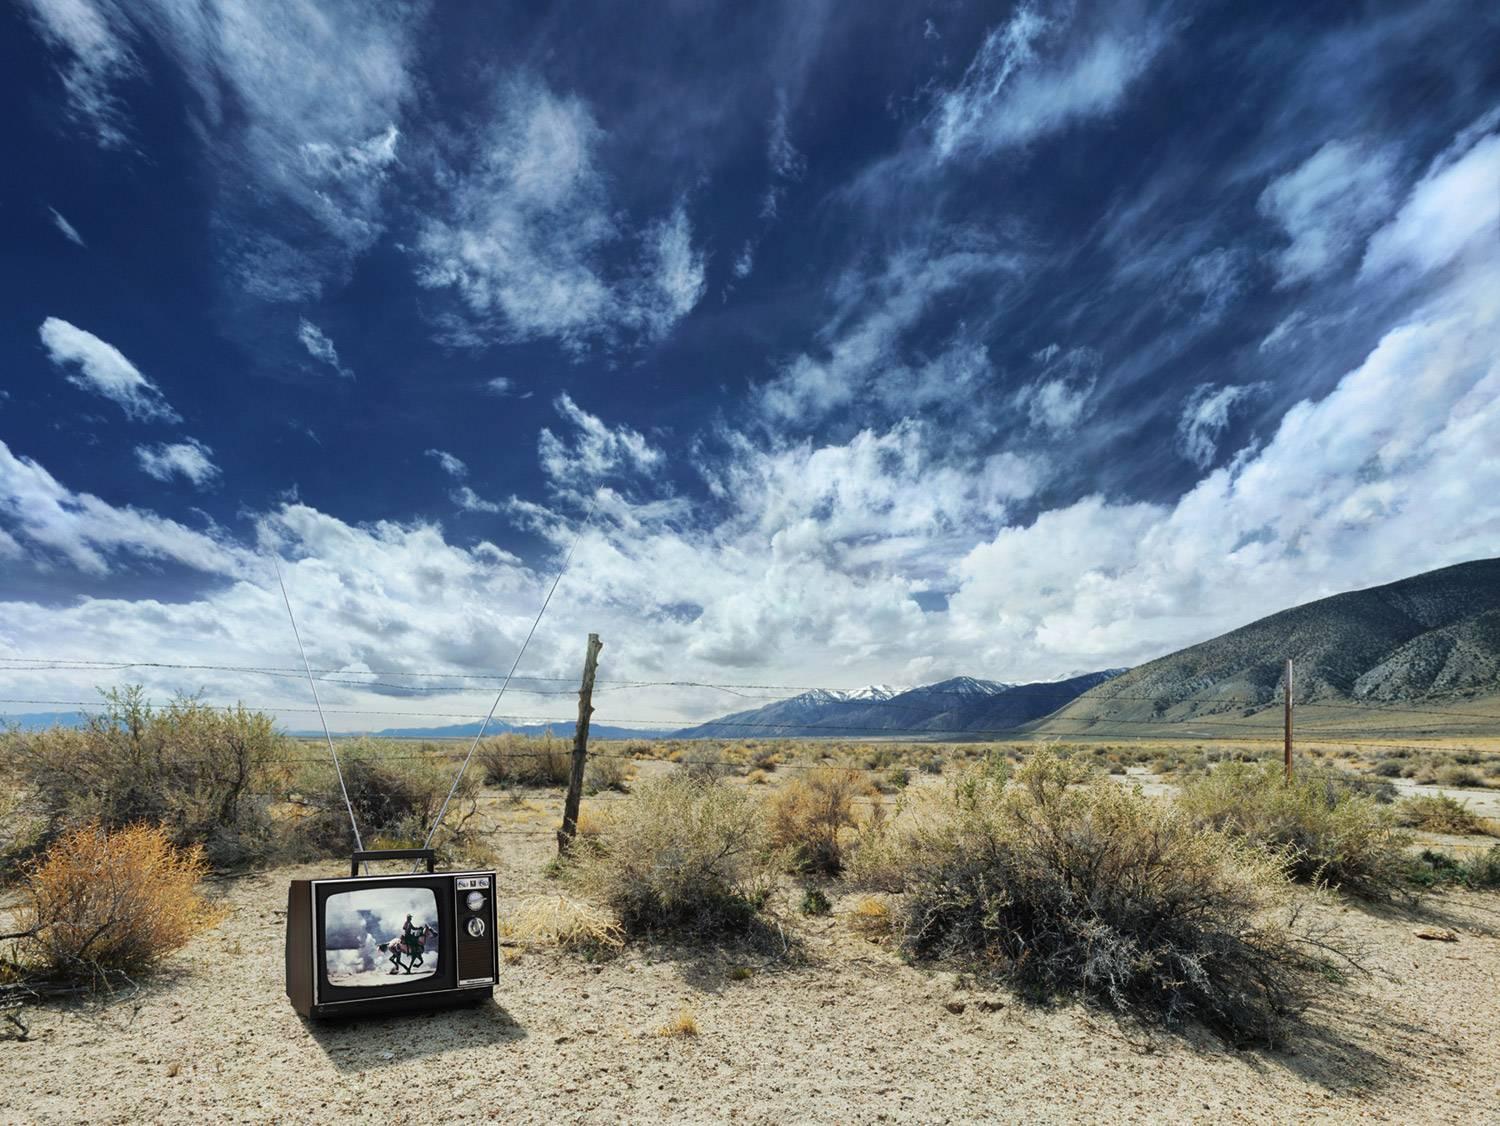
<point x="848" y="1034"/>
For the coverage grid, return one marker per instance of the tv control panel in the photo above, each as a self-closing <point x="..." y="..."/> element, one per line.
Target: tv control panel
<point x="475" y="941"/>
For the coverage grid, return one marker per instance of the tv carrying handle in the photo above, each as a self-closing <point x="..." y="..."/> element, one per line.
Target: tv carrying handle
<point x="362" y="855"/>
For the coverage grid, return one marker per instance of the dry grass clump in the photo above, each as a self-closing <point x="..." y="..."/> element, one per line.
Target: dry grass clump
<point x="525" y="760"/>
<point x="558" y="920"/>
<point x="683" y="1023"/>
<point x="679" y="855"/>
<point x="195" y="770"/>
<point x="871" y="916"/>
<point x="1068" y="885"/>
<point x="1462" y="777"/>
<point x="1323" y="831"/>
<point x="809" y="814"/>
<point x="1438" y="813"/>
<point x="107" y="902"/>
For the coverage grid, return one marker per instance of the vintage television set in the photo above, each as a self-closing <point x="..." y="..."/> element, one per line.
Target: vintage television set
<point x="366" y="944"/>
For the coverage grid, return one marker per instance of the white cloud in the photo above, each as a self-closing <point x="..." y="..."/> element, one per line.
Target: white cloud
<point x="786" y="162"/>
<point x="450" y="464"/>
<point x="500" y="385"/>
<point x="320" y="348"/>
<point x="1205" y="417"/>
<point x="865" y="337"/>
<point x="1011" y="94"/>
<point x="190" y="459"/>
<point x="524" y="227"/>
<point x="592" y="450"/>
<point x="93" y="38"/>
<point x="744" y="261"/>
<point x="1216" y="278"/>
<point x="95" y="366"/>
<point x="1060" y="400"/>
<point x="1400" y="453"/>
<point x="85" y="531"/>
<point x="470" y="501"/>
<point x="69" y="231"/>
<point x="1327" y="205"/>
<point x="1456" y="205"/>
<point x="297" y="103"/>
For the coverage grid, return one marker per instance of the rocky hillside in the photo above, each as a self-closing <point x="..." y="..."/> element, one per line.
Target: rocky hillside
<point x="1433" y="639"/>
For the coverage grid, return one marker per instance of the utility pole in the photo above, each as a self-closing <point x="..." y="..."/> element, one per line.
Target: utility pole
<point x="1287" y="709"/>
<point x="569" y="828"/>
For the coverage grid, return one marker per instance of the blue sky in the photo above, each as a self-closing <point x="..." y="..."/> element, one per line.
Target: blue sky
<point x="895" y="340"/>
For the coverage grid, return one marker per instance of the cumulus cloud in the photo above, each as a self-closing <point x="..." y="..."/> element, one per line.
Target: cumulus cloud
<point x="93" y="365"/>
<point x="68" y="230"/>
<point x="191" y="460"/>
<point x="320" y="348"/>
<point x="523" y="230"/>
<point x="501" y="385"/>
<point x="1033" y="76"/>
<point x="1205" y="417"/>
<point x="54" y="523"/>
<point x="1456" y="205"/>
<point x="592" y="450"/>
<point x="451" y="465"/>
<point x="470" y="501"/>
<point x="1327" y="204"/>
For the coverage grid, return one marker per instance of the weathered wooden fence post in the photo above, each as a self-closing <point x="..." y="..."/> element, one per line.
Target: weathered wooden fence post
<point x="1287" y="709"/>
<point x="569" y="828"/>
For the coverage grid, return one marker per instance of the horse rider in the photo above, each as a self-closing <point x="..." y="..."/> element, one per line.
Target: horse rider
<point x="410" y="937"/>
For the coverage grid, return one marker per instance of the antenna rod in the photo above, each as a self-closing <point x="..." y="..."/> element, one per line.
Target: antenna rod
<point x="514" y="665"/>
<point x="311" y="683"/>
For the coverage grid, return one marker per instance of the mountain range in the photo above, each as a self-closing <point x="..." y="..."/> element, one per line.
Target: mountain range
<point x="1432" y="641"/>
<point x="1396" y="655"/>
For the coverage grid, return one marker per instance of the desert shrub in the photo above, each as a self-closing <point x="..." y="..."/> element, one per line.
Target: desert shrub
<point x="1325" y="832"/>
<point x="1067" y="885"/>
<point x="1388" y="768"/>
<point x="1438" y="813"/>
<point x="894" y="779"/>
<point x="606" y="772"/>
<point x="765" y="758"/>
<point x="396" y="793"/>
<point x="199" y="772"/>
<point x="1459" y="776"/>
<point x="814" y="902"/>
<point x="809" y="814"/>
<point x="525" y="760"/>
<point x="1483" y="871"/>
<point x="103" y="902"/>
<point x="679" y="855"/>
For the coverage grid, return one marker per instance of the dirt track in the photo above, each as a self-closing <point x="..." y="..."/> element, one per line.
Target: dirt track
<point x="850" y="1035"/>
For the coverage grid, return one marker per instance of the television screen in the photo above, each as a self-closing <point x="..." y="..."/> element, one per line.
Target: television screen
<point x="380" y="936"/>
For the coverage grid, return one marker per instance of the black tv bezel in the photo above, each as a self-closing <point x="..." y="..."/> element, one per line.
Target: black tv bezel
<point x="444" y="981"/>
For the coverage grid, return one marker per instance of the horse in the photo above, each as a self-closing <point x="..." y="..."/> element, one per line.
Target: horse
<point x="412" y="948"/>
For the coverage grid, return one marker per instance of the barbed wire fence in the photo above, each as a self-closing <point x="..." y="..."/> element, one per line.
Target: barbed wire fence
<point x="1229" y="725"/>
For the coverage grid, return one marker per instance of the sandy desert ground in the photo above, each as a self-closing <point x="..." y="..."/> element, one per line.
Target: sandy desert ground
<point x="847" y="1033"/>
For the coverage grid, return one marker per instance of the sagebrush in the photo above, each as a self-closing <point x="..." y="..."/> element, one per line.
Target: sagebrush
<point x="679" y="855"/>
<point x="1324" y="831"/>
<point x="1066" y="885"/>
<point x="105" y="902"/>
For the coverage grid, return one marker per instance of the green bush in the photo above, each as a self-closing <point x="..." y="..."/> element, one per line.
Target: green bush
<point x="396" y="790"/>
<point x="1065" y="885"/>
<point x="1433" y="867"/>
<point x="1438" y="813"/>
<point x="525" y="760"/>
<point x="1325" y="832"/>
<point x="680" y="856"/>
<point x="197" y="771"/>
